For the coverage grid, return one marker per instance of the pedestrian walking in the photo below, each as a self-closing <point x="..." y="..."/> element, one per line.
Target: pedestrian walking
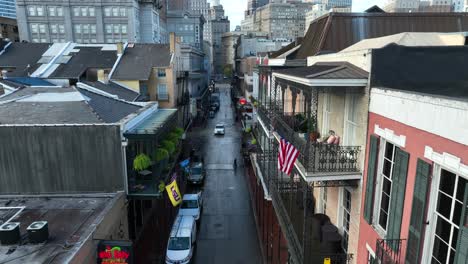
<point x="235" y="164"/>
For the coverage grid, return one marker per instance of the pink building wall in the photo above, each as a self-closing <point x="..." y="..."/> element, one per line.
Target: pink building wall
<point x="416" y="140"/>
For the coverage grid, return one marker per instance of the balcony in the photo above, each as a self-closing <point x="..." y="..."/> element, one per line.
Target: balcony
<point x="388" y="251"/>
<point x="317" y="159"/>
<point x="152" y="152"/>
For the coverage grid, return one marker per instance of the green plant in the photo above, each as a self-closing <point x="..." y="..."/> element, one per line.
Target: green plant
<point x="141" y="162"/>
<point x="179" y="131"/>
<point x="160" y="154"/>
<point x="169" y="146"/>
<point x="255" y="103"/>
<point x="161" y="186"/>
<point x="173" y="137"/>
<point x="305" y="125"/>
<point x="253" y="142"/>
<point x="248" y="129"/>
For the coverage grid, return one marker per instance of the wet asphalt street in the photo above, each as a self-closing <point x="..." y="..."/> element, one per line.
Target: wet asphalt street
<point x="227" y="233"/>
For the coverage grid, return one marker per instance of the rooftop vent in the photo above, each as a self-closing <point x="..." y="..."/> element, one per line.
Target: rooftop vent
<point x="38" y="232"/>
<point x="9" y="233"/>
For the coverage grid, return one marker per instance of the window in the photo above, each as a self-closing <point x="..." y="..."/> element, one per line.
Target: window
<point x="385" y="176"/>
<point x="115" y="11"/>
<point x="161" y="73"/>
<point x="162" y="92"/>
<point x="84" y="11"/>
<point x="350" y="118"/>
<point x="109" y="29"/>
<point x="448" y="213"/>
<point x="91" y="11"/>
<point x="78" y="28"/>
<point x="346" y="217"/>
<point x="326" y="113"/>
<point x="76" y="11"/>
<point x="53" y="29"/>
<point x="123" y="12"/>
<point x="123" y="29"/>
<point x="59" y="11"/>
<point x="62" y="29"/>
<point x="107" y="11"/>
<point x="42" y="28"/>
<point x="52" y="11"/>
<point x="34" y="28"/>
<point x="40" y="11"/>
<point x="323" y="199"/>
<point x="31" y="11"/>
<point x="371" y="258"/>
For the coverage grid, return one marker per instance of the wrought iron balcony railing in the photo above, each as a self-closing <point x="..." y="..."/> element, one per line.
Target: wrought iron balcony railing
<point x="388" y="251"/>
<point x="317" y="157"/>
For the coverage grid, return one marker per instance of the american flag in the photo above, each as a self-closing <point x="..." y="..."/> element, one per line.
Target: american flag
<point x="287" y="156"/>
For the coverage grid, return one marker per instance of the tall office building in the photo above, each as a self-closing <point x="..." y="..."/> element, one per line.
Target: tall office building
<point x="282" y="21"/>
<point x="217" y="24"/>
<point x="7" y="8"/>
<point x="106" y="21"/>
<point x="252" y="5"/>
<point x="337" y="3"/>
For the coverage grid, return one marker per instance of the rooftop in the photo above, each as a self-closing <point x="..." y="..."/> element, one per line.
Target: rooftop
<point x="328" y="70"/>
<point x="33" y="105"/>
<point x="429" y="70"/>
<point x="84" y="58"/>
<point x="410" y="39"/>
<point x="137" y="61"/>
<point x="153" y="123"/>
<point x="112" y="88"/>
<point x="21" y="58"/>
<point x="71" y="221"/>
<point x="336" y="31"/>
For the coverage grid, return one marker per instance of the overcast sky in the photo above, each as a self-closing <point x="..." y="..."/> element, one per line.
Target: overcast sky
<point x="235" y="8"/>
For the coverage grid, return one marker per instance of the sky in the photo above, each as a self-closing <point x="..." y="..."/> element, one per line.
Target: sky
<point x="235" y="8"/>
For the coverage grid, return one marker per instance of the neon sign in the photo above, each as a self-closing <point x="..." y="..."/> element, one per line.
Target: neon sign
<point x="115" y="252"/>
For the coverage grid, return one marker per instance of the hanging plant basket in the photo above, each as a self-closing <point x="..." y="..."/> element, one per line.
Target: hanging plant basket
<point x="141" y="162"/>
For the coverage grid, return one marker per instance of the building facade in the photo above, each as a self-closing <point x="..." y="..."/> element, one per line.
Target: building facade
<point x="416" y="176"/>
<point x="9" y="29"/>
<point x="103" y="22"/>
<point x="319" y="10"/>
<point x="217" y="25"/>
<point x="282" y="21"/>
<point x="8" y="9"/>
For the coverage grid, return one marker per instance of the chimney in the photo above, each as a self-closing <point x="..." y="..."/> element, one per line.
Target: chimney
<point x="172" y="42"/>
<point x="119" y="48"/>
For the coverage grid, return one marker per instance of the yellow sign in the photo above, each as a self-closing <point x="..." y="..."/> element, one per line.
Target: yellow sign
<point x="174" y="193"/>
<point x="326" y="261"/>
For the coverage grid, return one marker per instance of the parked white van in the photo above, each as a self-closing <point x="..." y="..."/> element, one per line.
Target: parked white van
<point x="180" y="247"/>
<point x="192" y="205"/>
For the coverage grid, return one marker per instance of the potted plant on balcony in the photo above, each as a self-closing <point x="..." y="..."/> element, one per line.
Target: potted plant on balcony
<point x="307" y="128"/>
<point x="141" y="162"/>
<point x="160" y="157"/>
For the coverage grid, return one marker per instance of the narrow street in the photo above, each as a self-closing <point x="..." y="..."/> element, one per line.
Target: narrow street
<point x="227" y="233"/>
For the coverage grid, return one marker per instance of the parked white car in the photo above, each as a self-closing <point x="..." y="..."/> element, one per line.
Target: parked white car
<point x="192" y="205"/>
<point x="219" y="129"/>
<point x="180" y="247"/>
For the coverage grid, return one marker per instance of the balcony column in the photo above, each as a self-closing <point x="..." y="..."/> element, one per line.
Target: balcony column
<point x="294" y="92"/>
<point x="283" y="91"/>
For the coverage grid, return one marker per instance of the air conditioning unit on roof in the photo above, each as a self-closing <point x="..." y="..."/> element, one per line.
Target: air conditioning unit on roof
<point x="10" y="233"/>
<point x="38" y="232"/>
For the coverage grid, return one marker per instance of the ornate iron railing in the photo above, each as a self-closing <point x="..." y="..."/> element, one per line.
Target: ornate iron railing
<point x="388" y="251"/>
<point x="262" y="112"/>
<point x="294" y="245"/>
<point x="318" y="157"/>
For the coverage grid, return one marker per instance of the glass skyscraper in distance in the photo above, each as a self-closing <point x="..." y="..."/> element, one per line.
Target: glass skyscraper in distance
<point x="8" y="8"/>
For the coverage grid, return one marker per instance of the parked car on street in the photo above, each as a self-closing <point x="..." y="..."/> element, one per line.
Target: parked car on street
<point x="219" y="129"/>
<point x="192" y="205"/>
<point x="196" y="173"/>
<point x="181" y="244"/>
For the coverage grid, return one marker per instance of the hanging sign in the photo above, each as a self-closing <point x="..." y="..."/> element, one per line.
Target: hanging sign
<point x="115" y="252"/>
